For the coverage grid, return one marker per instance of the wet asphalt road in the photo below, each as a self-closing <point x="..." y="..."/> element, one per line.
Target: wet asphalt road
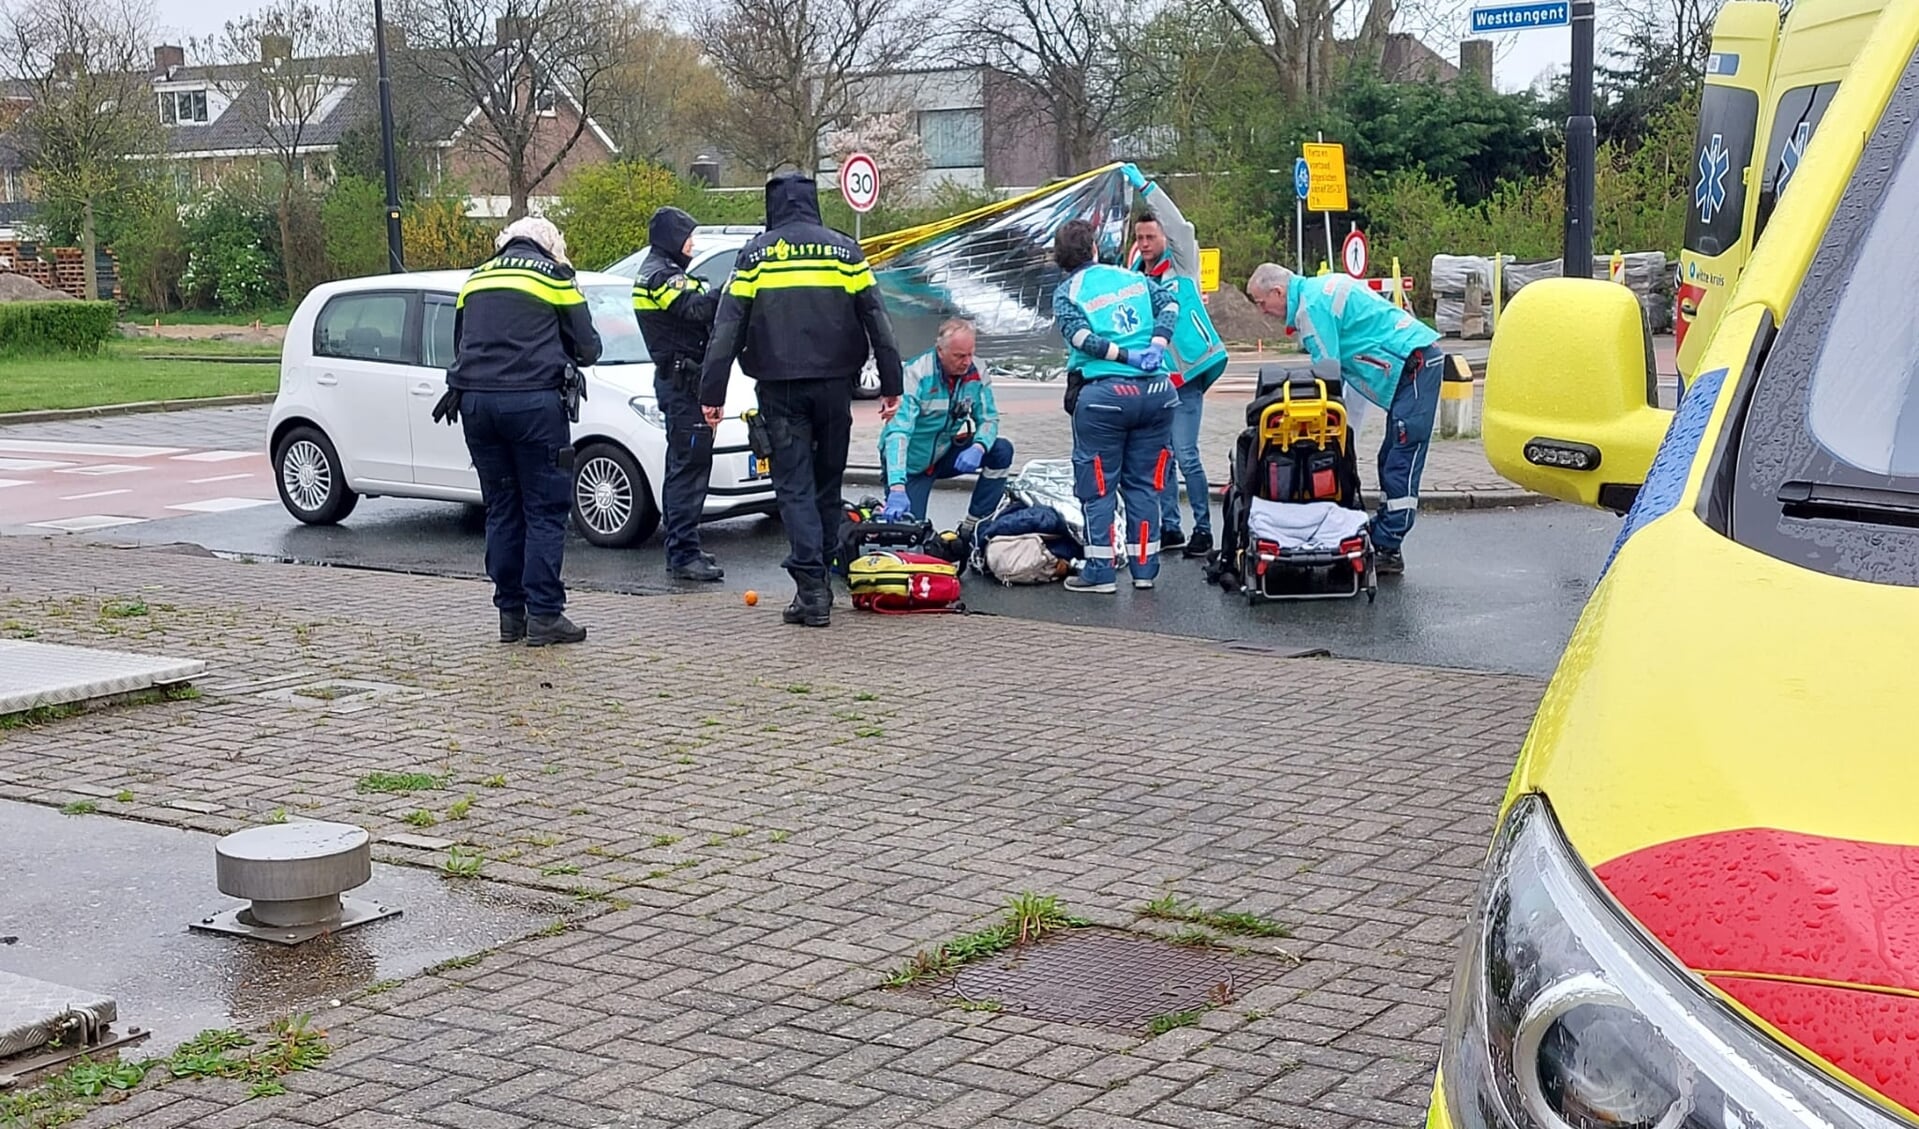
<point x="1486" y="589"/>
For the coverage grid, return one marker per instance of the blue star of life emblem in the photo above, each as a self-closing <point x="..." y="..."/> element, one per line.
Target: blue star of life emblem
<point x="1795" y="149"/>
<point x="1127" y="319"/>
<point x="1714" y="163"/>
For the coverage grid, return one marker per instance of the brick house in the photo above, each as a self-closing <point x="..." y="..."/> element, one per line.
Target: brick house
<point x="217" y="118"/>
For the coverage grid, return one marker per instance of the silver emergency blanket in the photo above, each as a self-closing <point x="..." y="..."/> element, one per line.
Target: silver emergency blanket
<point x="995" y="266"/>
<point x="1049" y="482"/>
<point x="34" y="1013"/>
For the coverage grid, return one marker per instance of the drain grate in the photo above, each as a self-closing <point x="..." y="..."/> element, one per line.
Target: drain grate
<point x="1107" y="978"/>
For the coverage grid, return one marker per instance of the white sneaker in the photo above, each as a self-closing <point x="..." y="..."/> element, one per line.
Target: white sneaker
<point x="1080" y="584"/>
<point x="1138" y="583"/>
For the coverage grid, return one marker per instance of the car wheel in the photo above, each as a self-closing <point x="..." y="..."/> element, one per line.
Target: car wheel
<point x="312" y="483"/>
<point x="612" y="504"/>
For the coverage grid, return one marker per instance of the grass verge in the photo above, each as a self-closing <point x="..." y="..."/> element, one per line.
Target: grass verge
<point x="118" y="375"/>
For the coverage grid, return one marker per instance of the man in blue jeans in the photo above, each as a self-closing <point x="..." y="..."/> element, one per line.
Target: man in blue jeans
<point x="1386" y="355"/>
<point x="1166" y="248"/>
<point x="947" y="425"/>
<point x="1117" y="324"/>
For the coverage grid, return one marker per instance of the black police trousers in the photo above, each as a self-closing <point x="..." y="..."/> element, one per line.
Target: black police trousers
<point x="809" y="423"/>
<point x="522" y="449"/>
<point x="689" y="468"/>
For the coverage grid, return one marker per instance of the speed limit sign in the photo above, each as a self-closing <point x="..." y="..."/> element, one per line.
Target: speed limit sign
<point x="860" y="182"/>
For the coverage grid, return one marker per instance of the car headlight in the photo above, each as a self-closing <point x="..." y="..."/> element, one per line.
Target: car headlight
<point x="649" y="410"/>
<point x="1567" y="1016"/>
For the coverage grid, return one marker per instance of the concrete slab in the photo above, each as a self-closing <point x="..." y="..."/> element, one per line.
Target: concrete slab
<point x="48" y="674"/>
<point x="107" y="902"/>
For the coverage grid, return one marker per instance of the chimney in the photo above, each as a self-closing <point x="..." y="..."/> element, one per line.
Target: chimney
<point x="508" y="30"/>
<point x="166" y="57"/>
<point x="1476" y="61"/>
<point x="276" y="49"/>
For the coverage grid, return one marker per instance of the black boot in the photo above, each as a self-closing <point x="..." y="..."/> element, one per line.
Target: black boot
<point x="1198" y="548"/>
<point x="812" y="602"/>
<point x="702" y="568"/>
<point x="512" y="626"/>
<point x="544" y="630"/>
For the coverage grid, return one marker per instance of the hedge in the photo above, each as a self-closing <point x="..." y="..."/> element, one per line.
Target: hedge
<point x="55" y="326"/>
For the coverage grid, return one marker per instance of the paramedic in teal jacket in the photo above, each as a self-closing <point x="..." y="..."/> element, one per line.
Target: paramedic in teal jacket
<point x="1166" y="248"/>
<point x="947" y="425"/>
<point x="1386" y="355"/>
<point x="1117" y="324"/>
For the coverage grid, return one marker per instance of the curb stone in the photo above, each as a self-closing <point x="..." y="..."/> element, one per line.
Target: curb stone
<point x="52" y="415"/>
<point x="1431" y="501"/>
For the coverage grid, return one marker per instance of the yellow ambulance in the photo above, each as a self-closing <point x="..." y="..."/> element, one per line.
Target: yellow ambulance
<point x="1771" y="74"/>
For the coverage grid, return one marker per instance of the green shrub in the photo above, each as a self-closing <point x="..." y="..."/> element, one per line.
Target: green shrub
<point x="231" y="232"/>
<point x="604" y="209"/>
<point x="149" y="241"/>
<point x="55" y="327"/>
<point x="354" y="218"/>
<point x="437" y="234"/>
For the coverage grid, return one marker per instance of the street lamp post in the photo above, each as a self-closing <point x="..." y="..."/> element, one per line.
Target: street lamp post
<point x="1581" y="146"/>
<point x="395" y="251"/>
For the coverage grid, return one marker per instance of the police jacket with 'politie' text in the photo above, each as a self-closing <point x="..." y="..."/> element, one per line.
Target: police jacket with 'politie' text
<point x="520" y="320"/>
<point x="675" y="310"/>
<point x="802" y="303"/>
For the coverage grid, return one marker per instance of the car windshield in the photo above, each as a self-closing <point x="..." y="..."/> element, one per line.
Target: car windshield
<point x="620" y="340"/>
<point x="1826" y="469"/>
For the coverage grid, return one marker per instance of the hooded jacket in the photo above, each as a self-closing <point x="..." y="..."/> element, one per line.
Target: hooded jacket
<point x="802" y="303"/>
<point x="519" y="321"/>
<point x="675" y="310"/>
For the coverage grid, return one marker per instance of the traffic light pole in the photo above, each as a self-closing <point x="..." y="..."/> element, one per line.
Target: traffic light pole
<point x="1581" y="148"/>
<point x="395" y="249"/>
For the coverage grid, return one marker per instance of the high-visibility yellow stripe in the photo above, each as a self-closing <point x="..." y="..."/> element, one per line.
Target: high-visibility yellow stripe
<point x="550" y="291"/>
<point x="827" y="274"/>
<point x="658" y="298"/>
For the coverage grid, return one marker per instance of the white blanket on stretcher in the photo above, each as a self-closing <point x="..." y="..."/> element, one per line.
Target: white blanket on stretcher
<point x="1304" y="525"/>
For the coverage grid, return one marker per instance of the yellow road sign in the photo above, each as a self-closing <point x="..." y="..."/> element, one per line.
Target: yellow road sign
<point x="1208" y="269"/>
<point x="1326" y="161"/>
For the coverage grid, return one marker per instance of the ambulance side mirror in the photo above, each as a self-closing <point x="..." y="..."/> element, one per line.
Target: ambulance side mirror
<point x="1571" y="392"/>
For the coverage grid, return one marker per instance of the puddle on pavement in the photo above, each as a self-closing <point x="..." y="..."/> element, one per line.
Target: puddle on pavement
<point x="102" y="903"/>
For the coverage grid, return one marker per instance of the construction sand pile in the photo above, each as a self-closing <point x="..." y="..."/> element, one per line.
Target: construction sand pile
<point x="1239" y="322"/>
<point x="20" y="288"/>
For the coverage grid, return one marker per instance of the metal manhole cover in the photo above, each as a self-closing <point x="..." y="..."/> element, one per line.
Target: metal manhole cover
<point x="1108" y="978"/>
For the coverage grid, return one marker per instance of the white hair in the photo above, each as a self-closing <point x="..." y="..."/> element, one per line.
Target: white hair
<point x="538" y="229"/>
<point x="951" y="328"/>
<point x="1268" y="277"/>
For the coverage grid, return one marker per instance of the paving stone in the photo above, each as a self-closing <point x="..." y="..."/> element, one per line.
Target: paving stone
<point x="747" y="985"/>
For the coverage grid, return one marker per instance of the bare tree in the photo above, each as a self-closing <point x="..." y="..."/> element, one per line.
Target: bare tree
<point x="1301" y="39"/>
<point x="291" y="64"/>
<point x="661" y="93"/>
<point x="536" y="72"/>
<point x="1079" y="60"/>
<point x="84" y="66"/>
<point x="792" y="68"/>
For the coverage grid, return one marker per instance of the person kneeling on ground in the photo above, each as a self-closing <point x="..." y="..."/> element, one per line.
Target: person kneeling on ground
<point x="1387" y="356"/>
<point x="947" y="425"/>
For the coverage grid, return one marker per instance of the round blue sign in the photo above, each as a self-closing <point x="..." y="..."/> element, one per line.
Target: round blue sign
<point x="1302" y="178"/>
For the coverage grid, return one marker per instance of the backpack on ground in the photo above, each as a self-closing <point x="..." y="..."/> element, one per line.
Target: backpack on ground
<point x="1020" y="558"/>
<point x="898" y="583"/>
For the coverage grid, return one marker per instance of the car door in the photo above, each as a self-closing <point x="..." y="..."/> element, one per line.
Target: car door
<point x="440" y="458"/>
<point x="364" y="343"/>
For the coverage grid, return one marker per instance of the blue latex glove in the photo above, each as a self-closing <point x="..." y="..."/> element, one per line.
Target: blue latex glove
<point x="1133" y="176"/>
<point x="1150" y="358"/>
<point x="968" y="461"/>
<point x="897" y="508"/>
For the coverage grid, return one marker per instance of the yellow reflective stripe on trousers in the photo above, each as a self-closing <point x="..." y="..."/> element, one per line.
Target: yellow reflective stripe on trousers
<point x="794" y="274"/>
<point x="549" y="290"/>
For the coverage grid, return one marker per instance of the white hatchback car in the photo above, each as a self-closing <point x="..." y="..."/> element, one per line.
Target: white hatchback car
<point x="365" y="360"/>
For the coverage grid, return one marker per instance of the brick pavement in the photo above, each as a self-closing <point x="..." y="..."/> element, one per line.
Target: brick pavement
<point x="787" y="815"/>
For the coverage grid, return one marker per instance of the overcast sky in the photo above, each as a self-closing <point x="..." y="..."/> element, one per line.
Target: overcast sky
<point x="1521" y="57"/>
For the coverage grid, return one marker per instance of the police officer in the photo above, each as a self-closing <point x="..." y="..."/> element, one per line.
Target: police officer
<point x="1117" y="324"/>
<point x="520" y="325"/>
<point x="800" y="311"/>
<point x="676" y="315"/>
